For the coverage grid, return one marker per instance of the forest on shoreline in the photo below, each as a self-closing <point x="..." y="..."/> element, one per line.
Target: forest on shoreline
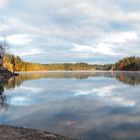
<point x="15" y="63"/>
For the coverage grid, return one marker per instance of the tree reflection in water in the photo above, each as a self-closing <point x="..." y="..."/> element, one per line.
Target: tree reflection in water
<point x="3" y="102"/>
<point x="131" y="78"/>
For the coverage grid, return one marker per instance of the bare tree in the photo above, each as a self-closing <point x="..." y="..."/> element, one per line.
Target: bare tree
<point x="3" y="48"/>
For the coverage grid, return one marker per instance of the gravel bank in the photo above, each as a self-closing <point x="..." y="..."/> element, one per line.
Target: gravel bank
<point x="18" y="133"/>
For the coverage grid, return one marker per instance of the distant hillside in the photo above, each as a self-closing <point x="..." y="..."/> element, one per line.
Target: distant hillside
<point x="12" y="62"/>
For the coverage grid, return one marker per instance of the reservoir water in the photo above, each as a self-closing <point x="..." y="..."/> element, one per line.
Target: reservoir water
<point x="83" y="105"/>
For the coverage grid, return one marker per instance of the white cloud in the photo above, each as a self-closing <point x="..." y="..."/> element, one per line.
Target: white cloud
<point x="19" y="39"/>
<point x="101" y="48"/>
<point x="122" y="37"/>
<point x="101" y="92"/>
<point x="3" y="27"/>
<point x="107" y="44"/>
<point x="107" y="94"/>
<point x="3" y="3"/>
<point x="24" y="51"/>
<point x="34" y="51"/>
<point x="31" y="89"/>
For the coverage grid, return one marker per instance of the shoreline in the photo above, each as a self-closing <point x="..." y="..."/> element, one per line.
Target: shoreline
<point x="5" y="75"/>
<point x="15" y="133"/>
<point x="18" y="72"/>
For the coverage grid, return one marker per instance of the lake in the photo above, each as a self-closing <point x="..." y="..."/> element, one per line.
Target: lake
<point x="84" y="105"/>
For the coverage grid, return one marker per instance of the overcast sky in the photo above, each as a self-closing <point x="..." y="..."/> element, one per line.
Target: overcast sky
<point x="51" y="31"/>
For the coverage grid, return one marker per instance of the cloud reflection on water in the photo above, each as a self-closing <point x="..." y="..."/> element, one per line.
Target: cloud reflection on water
<point x="96" y="107"/>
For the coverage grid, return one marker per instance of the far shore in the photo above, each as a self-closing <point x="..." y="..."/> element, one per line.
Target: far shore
<point x="72" y="71"/>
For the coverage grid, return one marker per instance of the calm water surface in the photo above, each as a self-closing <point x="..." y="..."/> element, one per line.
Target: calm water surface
<point x="85" y="105"/>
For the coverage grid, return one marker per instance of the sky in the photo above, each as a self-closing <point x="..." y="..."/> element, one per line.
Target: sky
<point x="65" y="31"/>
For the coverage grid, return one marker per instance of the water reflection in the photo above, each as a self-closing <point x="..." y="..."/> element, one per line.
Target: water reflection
<point x="3" y="101"/>
<point x="100" y="106"/>
<point x="131" y="78"/>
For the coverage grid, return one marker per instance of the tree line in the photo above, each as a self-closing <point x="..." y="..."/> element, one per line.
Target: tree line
<point x="15" y="63"/>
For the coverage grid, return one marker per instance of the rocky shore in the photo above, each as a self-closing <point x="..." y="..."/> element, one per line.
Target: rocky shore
<point x="18" y="133"/>
<point x="5" y="75"/>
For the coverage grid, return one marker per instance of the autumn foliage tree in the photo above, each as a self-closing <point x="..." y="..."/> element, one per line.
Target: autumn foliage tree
<point x="127" y="64"/>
